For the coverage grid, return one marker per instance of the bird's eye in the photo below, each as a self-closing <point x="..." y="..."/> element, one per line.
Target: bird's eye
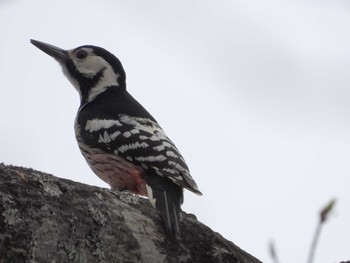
<point x="81" y="54"/>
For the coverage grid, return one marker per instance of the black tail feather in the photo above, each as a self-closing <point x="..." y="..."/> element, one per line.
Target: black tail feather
<point x="168" y="198"/>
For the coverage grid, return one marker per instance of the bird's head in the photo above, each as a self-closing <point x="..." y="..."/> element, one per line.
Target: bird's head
<point x="90" y="69"/>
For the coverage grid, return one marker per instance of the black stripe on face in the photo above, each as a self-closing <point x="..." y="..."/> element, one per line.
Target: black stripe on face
<point x="85" y="83"/>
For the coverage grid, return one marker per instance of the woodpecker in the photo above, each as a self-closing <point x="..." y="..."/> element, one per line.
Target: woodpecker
<point x="120" y="140"/>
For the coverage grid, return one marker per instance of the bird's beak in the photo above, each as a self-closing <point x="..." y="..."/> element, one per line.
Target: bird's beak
<point x="55" y="52"/>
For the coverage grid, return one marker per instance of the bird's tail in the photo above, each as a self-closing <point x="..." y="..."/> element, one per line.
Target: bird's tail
<point x="167" y="197"/>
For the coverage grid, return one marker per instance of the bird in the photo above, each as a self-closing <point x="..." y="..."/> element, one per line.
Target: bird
<point x="121" y="141"/>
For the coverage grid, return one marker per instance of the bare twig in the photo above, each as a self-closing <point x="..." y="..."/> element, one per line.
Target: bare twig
<point x="273" y="253"/>
<point x="323" y="217"/>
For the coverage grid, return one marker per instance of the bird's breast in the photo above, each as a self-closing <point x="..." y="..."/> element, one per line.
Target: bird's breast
<point x="115" y="170"/>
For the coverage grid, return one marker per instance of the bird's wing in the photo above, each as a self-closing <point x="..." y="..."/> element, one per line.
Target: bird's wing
<point x="143" y="142"/>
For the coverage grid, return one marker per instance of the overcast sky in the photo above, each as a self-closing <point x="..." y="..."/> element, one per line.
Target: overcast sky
<point x="254" y="93"/>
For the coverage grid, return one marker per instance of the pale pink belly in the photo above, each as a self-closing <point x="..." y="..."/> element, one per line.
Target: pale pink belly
<point x="119" y="173"/>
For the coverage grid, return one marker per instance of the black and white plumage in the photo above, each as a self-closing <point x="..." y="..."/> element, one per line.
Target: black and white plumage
<point x="122" y="143"/>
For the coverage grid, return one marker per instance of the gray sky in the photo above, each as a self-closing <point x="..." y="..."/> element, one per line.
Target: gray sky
<point x="255" y="94"/>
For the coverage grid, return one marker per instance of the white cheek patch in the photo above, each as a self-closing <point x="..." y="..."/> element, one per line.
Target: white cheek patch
<point x="89" y="68"/>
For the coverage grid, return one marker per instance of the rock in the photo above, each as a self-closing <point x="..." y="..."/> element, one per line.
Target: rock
<point x="48" y="219"/>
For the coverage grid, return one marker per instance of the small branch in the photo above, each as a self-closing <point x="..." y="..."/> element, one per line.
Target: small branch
<point x="314" y="242"/>
<point x="324" y="214"/>
<point x="273" y="253"/>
